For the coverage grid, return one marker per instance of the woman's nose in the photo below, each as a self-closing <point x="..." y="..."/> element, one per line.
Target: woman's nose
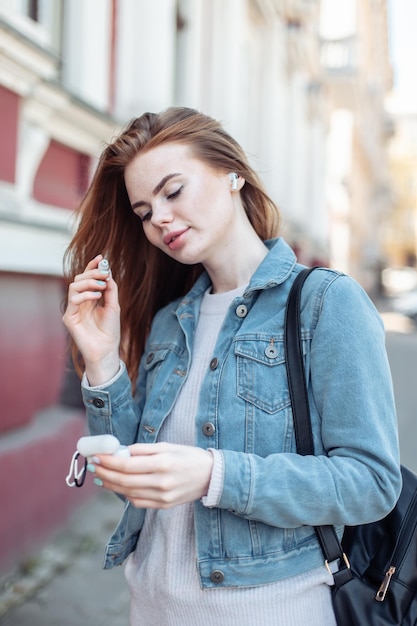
<point x="161" y="214"/>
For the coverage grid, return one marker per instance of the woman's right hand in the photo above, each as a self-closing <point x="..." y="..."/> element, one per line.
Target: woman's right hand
<point x="92" y="318"/>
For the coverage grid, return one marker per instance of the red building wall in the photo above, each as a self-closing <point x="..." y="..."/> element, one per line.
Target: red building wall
<point x="37" y="434"/>
<point x="32" y="346"/>
<point x="62" y="176"/>
<point x="9" y="112"/>
<point x="35" y="500"/>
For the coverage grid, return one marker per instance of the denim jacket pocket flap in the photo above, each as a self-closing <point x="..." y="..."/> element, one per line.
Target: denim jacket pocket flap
<point x="154" y="358"/>
<point x="152" y="364"/>
<point x="261" y="374"/>
<point x="267" y="351"/>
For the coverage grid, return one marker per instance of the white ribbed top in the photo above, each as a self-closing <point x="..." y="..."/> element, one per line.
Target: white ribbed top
<point x="162" y="572"/>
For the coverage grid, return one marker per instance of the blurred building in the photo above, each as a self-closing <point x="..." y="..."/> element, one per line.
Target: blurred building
<point x="301" y="94"/>
<point x="50" y="139"/>
<point x="400" y="224"/>
<point x="357" y="74"/>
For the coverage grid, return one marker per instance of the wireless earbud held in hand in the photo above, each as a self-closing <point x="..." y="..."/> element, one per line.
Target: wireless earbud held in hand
<point x="88" y="447"/>
<point x="104" y="266"/>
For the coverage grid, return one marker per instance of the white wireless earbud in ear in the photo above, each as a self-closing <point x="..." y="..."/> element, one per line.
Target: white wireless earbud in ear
<point x="233" y="179"/>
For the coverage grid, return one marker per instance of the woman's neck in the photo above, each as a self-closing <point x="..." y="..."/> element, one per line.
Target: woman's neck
<point x="239" y="265"/>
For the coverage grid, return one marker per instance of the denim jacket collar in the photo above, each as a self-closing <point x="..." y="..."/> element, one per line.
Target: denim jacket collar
<point x="275" y="268"/>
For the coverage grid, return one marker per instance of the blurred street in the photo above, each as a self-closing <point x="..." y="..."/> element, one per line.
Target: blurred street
<point x="402" y="352"/>
<point x="65" y="585"/>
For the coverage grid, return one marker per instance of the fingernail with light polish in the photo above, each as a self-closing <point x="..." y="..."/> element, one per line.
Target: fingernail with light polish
<point x="98" y="482"/>
<point x="91" y="468"/>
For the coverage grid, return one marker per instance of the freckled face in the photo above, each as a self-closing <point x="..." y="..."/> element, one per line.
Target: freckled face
<point x="186" y="207"/>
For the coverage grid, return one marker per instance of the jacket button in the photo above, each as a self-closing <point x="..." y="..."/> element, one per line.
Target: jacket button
<point x="98" y="403"/>
<point x="214" y="363"/>
<point x="208" y="429"/>
<point x="242" y="310"/>
<point x="149" y="358"/>
<point x="216" y="576"/>
<point x="271" y="352"/>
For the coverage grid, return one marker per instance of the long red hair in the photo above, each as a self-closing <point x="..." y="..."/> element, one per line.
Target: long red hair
<point x="147" y="278"/>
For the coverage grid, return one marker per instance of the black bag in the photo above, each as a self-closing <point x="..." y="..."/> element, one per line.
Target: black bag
<point x="376" y="584"/>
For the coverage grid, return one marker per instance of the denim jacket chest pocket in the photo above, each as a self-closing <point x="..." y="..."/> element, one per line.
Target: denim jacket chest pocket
<point x="261" y="373"/>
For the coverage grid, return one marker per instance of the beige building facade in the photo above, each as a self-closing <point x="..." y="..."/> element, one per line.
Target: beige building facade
<point x="399" y="238"/>
<point x="300" y="83"/>
<point x="358" y="78"/>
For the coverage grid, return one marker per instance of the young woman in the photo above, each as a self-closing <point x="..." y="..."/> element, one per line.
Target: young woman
<point x="181" y="344"/>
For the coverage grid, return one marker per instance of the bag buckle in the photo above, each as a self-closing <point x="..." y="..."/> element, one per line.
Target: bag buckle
<point x="346" y="560"/>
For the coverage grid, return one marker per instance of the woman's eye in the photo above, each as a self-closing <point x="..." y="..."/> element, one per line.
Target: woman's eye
<point x="175" y="193"/>
<point x="146" y="217"/>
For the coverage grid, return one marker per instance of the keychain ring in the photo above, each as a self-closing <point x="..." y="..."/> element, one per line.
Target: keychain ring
<point x="77" y="476"/>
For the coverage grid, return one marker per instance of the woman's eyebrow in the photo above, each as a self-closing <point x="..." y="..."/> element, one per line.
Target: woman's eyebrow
<point x="157" y="189"/>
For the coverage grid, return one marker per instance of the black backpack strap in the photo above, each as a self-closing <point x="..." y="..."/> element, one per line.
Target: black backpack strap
<point x="328" y="539"/>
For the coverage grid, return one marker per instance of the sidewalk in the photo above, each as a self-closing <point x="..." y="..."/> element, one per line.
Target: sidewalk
<point x="64" y="584"/>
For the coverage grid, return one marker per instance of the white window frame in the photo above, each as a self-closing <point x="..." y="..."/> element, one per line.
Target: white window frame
<point x="45" y="32"/>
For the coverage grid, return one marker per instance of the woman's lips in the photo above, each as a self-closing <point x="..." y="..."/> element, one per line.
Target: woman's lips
<point x="174" y="239"/>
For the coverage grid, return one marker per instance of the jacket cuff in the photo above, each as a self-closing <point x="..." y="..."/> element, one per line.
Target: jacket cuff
<point x="85" y="384"/>
<point x="216" y="481"/>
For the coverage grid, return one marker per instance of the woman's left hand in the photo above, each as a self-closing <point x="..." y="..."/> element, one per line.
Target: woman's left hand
<point x="157" y="476"/>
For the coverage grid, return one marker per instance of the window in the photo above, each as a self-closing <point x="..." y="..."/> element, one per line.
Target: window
<point x="39" y="20"/>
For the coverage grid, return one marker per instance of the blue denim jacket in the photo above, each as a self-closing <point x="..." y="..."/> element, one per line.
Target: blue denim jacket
<point x="261" y="530"/>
